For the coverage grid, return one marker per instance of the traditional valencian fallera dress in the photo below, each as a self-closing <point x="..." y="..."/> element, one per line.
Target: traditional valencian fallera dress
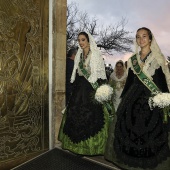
<point x="138" y="137"/>
<point x="84" y="128"/>
<point x="118" y="84"/>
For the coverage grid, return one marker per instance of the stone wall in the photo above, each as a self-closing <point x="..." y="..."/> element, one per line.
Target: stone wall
<point x="59" y="64"/>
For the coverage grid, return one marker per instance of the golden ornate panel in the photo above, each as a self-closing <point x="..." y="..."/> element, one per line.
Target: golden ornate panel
<point x="23" y="80"/>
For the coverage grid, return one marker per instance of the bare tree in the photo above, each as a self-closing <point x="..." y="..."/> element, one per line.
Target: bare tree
<point x="115" y="38"/>
<point x="111" y="38"/>
<point x="76" y="22"/>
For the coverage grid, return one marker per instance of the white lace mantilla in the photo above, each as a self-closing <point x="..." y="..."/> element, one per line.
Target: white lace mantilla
<point x="119" y="82"/>
<point x="155" y="60"/>
<point x="96" y="62"/>
<point x="151" y="64"/>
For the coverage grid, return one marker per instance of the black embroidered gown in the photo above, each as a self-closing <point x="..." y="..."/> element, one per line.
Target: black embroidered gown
<point x="84" y="128"/>
<point x="138" y="138"/>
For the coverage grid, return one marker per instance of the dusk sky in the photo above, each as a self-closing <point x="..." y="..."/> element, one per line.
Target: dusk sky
<point x="153" y="14"/>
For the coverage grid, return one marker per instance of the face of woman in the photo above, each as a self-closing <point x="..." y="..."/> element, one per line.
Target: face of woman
<point x="119" y="67"/>
<point x="83" y="42"/>
<point x="142" y="38"/>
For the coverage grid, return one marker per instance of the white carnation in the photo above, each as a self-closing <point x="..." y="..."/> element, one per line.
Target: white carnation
<point x="103" y="93"/>
<point x="160" y="100"/>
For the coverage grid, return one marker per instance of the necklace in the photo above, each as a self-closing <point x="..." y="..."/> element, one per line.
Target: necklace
<point x="85" y="56"/>
<point x="119" y="75"/>
<point x="144" y="59"/>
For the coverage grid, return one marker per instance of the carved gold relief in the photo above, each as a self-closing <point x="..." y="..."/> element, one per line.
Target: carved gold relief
<point x="23" y="69"/>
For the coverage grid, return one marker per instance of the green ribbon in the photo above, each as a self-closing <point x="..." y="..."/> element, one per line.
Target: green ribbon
<point x="143" y="78"/>
<point x="107" y="106"/>
<point x="166" y="111"/>
<point x="87" y="75"/>
<point x="148" y="83"/>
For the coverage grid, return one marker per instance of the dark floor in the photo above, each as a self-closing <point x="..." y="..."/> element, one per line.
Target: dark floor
<point x="58" y="159"/>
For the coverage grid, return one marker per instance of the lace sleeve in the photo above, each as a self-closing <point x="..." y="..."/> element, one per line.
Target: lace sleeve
<point x="166" y="71"/>
<point x="167" y="75"/>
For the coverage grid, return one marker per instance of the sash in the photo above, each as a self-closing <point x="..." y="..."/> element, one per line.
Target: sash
<point x="143" y="78"/>
<point x="147" y="82"/>
<point x="107" y="106"/>
<point x="87" y="75"/>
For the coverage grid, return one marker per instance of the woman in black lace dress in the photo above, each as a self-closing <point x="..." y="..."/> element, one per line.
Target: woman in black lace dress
<point x="138" y="137"/>
<point x="84" y="127"/>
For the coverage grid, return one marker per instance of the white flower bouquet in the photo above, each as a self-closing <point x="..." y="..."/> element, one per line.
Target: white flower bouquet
<point x="162" y="101"/>
<point x="104" y="93"/>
